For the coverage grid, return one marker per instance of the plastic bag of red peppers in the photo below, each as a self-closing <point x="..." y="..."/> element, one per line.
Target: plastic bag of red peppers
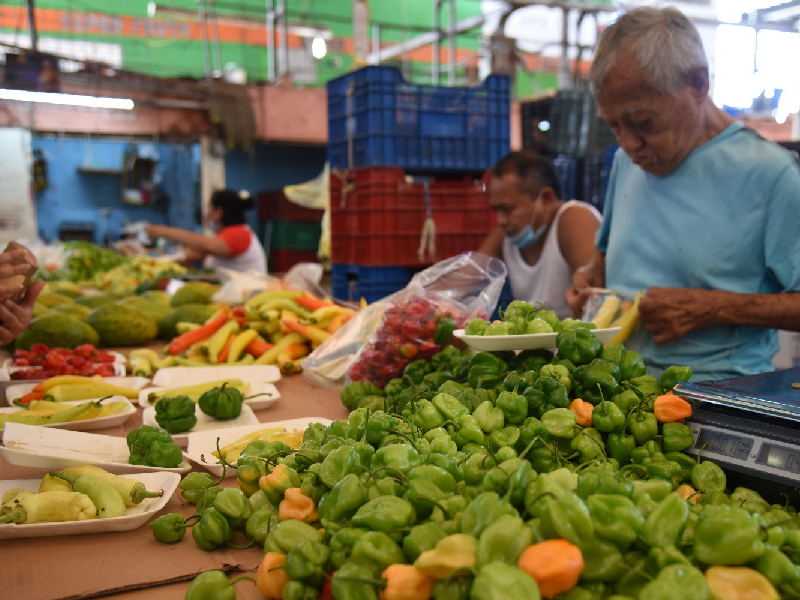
<point x="419" y="320"/>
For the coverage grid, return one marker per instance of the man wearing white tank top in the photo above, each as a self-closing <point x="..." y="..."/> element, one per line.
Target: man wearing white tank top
<point x="541" y="238"/>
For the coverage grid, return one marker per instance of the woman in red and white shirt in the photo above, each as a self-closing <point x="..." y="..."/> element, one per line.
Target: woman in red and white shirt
<point x="234" y="247"/>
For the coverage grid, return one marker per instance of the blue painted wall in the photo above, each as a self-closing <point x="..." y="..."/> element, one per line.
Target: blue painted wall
<point x="74" y="197"/>
<point x="79" y="197"/>
<point x="271" y="167"/>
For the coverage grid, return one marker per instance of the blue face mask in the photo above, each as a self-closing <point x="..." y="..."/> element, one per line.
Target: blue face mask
<point x="527" y="237"/>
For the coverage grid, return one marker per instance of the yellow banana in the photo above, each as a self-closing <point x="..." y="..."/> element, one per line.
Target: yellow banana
<point x="626" y="321"/>
<point x="608" y="310"/>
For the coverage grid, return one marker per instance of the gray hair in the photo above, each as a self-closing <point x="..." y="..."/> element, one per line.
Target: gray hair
<point x="663" y="41"/>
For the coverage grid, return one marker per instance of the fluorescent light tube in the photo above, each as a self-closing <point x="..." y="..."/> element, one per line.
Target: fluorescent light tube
<point x="68" y="99"/>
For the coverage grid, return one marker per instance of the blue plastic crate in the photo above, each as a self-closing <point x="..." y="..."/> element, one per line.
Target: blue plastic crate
<point x="353" y="282"/>
<point x="382" y="120"/>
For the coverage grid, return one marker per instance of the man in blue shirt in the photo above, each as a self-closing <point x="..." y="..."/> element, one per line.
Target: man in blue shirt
<point x="701" y="213"/>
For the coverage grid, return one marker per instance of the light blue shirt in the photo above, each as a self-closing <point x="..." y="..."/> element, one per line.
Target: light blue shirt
<point x="727" y="218"/>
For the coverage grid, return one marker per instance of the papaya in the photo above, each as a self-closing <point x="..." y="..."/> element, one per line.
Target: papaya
<point x="131" y="301"/>
<point x="57" y="331"/>
<point x="156" y="296"/>
<point x="76" y="310"/>
<point x="40" y="310"/>
<point x="191" y="313"/>
<point x="128" y="327"/>
<point x="193" y="292"/>
<point x="155" y="310"/>
<point x="95" y="301"/>
<point x="51" y="299"/>
<point x="64" y="288"/>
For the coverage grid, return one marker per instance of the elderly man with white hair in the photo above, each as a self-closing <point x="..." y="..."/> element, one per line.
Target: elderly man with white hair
<point x="701" y="214"/>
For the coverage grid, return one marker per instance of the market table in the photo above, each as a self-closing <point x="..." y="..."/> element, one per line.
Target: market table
<point x="112" y="565"/>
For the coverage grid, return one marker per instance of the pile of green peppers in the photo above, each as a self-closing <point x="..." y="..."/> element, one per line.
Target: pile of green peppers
<point x="150" y="446"/>
<point x="492" y="452"/>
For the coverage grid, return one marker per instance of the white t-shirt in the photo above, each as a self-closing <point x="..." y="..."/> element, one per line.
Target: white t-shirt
<point x="251" y="259"/>
<point x="549" y="279"/>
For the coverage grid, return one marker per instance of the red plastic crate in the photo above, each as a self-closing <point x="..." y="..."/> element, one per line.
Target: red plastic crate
<point x="281" y="261"/>
<point x="377" y="216"/>
<point x="273" y="205"/>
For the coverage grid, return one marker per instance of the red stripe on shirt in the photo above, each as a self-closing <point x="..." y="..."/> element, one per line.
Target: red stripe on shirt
<point x="237" y="238"/>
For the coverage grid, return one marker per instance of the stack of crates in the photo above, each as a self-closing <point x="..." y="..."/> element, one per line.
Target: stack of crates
<point x="294" y="231"/>
<point x="578" y="138"/>
<point x="399" y="154"/>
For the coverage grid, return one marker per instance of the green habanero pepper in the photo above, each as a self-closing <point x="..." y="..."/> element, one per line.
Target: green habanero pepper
<point x="666" y="469"/>
<point x="358" y="389"/>
<point x="307" y="562"/>
<point x="620" y="447"/>
<point x="578" y="345"/>
<point x="150" y="446"/>
<point x="207" y="500"/>
<point x="222" y="403"/>
<point x="559" y="372"/>
<point x="486" y="371"/>
<point x="588" y="443"/>
<point x="213" y="585"/>
<point x="260" y="523"/>
<point x="337" y="464"/>
<point x="560" y="423"/>
<point x="615" y="519"/>
<point x="449" y="406"/>
<point x="394" y="457"/>
<point x="483" y="510"/>
<point x="444" y="331"/>
<point x="626" y="401"/>
<point x="727" y="535"/>
<point x="169" y="528"/>
<point x="497" y="328"/>
<point x="676" y="580"/>
<point x="674" y="375"/>
<point x="707" y="476"/>
<point x="642" y="425"/>
<point x="249" y="471"/>
<point x="607" y="417"/>
<point x="686" y="462"/>
<point x="602" y="562"/>
<point x="212" y="530"/>
<point x="235" y="505"/>
<point x="376" y="550"/>
<point x="664" y="525"/>
<point x="346" y="496"/>
<point x="385" y="513"/>
<point x="489" y="417"/>
<point x="421" y="538"/>
<point x="677" y="437"/>
<point x="287" y="534"/>
<point x="567" y="517"/>
<point x="498" y="580"/>
<point x="176" y="415"/>
<point x="341" y="544"/>
<point x="630" y="363"/>
<point x="503" y="540"/>
<point x="435" y="379"/>
<point x="603" y="481"/>
<point x="194" y="485"/>
<point x="466" y="429"/>
<point x="647" y="385"/>
<point x="476" y="326"/>
<point x="353" y="582"/>
<point x="514" y="407"/>
<point x="596" y="381"/>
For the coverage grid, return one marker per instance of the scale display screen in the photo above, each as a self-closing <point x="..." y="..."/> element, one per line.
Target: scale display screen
<point x="733" y="446"/>
<point x="779" y="457"/>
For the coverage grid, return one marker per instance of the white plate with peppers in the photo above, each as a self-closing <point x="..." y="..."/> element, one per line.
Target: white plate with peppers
<point x="33" y="446"/>
<point x="525" y="341"/>
<point x="134" y="517"/>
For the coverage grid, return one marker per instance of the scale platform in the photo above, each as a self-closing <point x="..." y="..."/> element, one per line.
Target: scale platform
<point x="748" y="424"/>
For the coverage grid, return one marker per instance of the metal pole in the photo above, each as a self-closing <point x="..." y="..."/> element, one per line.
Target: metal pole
<point x="32" y="27"/>
<point x="437" y="31"/>
<point x="270" y="40"/>
<point x="201" y="11"/>
<point x="376" y="43"/>
<point x="451" y="34"/>
<point x="215" y="40"/>
<point x="563" y="72"/>
<point x="283" y="57"/>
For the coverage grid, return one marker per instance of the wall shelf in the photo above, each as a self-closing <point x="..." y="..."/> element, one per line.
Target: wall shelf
<point x="99" y="171"/>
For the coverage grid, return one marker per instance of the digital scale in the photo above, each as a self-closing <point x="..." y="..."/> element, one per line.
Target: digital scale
<point x="750" y="425"/>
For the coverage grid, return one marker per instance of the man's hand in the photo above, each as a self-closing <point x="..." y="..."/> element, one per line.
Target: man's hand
<point x="670" y="313"/>
<point x="14" y="317"/>
<point x="17" y="267"/>
<point x="591" y="275"/>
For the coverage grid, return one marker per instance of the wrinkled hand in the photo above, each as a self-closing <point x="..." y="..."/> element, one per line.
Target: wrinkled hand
<point x="17" y="264"/>
<point x="670" y="313"/>
<point x="15" y="317"/>
<point x="583" y="280"/>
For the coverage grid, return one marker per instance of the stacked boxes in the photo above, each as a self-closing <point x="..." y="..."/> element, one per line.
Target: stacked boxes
<point x="294" y="230"/>
<point x="401" y="153"/>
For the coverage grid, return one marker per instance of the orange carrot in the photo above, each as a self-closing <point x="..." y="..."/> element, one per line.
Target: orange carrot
<point x="315" y="334"/>
<point x="405" y="582"/>
<point x="286" y="317"/>
<point x="339" y="320"/>
<point x="555" y="564"/>
<point x="188" y="339"/>
<point x="271" y="576"/>
<point x="312" y="303"/>
<point x="30" y="396"/>
<point x="670" y="408"/>
<point x="296" y="505"/>
<point x="223" y="354"/>
<point x="583" y="412"/>
<point x="257" y="347"/>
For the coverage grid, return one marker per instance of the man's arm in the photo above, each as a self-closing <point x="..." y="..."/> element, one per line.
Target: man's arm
<point x="576" y="231"/>
<point x="196" y="241"/>
<point x="493" y="244"/>
<point x="671" y="313"/>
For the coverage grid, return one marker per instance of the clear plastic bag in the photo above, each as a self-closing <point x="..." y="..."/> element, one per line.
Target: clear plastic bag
<point x="377" y="344"/>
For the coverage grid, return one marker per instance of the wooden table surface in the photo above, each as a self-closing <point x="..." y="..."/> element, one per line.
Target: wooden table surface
<point x="131" y="564"/>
